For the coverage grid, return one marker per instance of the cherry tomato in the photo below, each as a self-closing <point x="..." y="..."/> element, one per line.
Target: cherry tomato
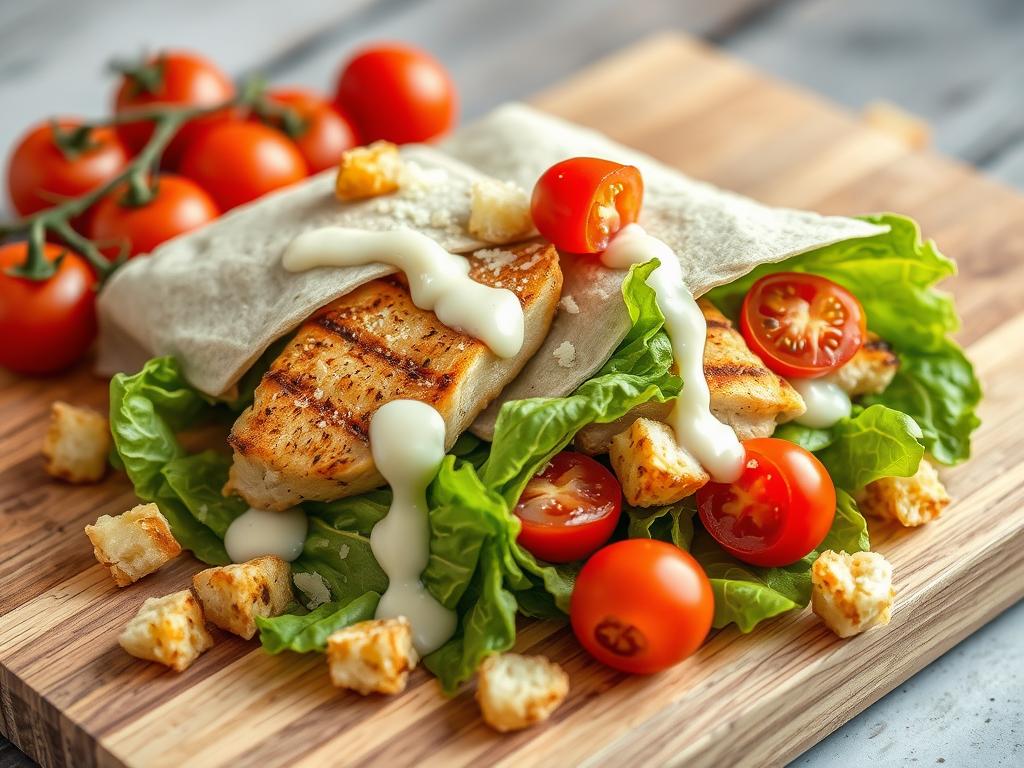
<point x="779" y="509"/>
<point x="802" y="325"/>
<point x="641" y="606"/>
<point x="579" y="203"/>
<point x="39" y="174"/>
<point x="239" y="161"/>
<point x="397" y="93"/>
<point x="45" y="326"/>
<point x="569" y="508"/>
<point x="171" y="77"/>
<point x="325" y="133"/>
<point x="179" y="206"/>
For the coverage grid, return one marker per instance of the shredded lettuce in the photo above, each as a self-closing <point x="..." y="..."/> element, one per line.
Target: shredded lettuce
<point x="303" y="633"/>
<point x="893" y="275"/>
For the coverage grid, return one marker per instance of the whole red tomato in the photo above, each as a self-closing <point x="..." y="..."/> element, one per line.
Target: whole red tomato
<point x="238" y="161"/>
<point x="397" y="93"/>
<point x="323" y="134"/>
<point x="641" y="605"/>
<point x="179" y="206"/>
<point x="171" y="78"/>
<point x="41" y="174"/>
<point x="45" y="326"/>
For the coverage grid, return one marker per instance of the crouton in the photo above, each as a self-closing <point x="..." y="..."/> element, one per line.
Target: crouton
<point x="369" y="171"/>
<point x="234" y="595"/>
<point x="852" y="593"/>
<point x="869" y="371"/>
<point x="133" y="544"/>
<point x="515" y="692"/>
<point x="169" y="630"/>
<point x="912" y="501"/>
<point x="652" y="467"/>
<point x="499" y="212"/>
<point x="76" y="444"/>
<point x="372" y="656"/>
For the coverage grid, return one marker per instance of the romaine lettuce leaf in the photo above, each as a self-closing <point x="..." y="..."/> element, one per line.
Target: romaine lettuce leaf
<point x="672" y="523"/>
<point x="893" y="275"/>
<point x="303" y="633"/>
<point x="147" y="410"/>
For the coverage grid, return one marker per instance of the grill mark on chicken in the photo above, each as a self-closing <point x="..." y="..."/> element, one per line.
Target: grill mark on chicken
<point x="305" y="391"/>
<point x="734" y="370"/>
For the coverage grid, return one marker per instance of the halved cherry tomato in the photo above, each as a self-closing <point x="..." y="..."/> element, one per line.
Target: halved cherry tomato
<point x="48" y="325"/>
<point x="779" y="509"/>
<point x="179" y="206"/>
<point x="238" y="161"/>
<point x="802" y="325"/>
<point x="171" y="77"/>
<point x="39" y="174"/>
<point x="579" y="203"/>
<point x="569" y="508"/>
<point x="397" y="93"/>
<point x="324" y="134"/>
<point x="641" y="605"/>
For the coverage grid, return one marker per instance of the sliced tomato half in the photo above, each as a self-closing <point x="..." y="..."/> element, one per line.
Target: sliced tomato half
<point x="569" y="509"/>
<point x="802" y="325"/>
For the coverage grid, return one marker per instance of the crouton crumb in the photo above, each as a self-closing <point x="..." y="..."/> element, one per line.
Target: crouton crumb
<point x="372" y="656"/>
<point x="133" y="544"/>
<point x="515" y="692"/>
<point x="76" y="444"/>
<point x="852" y="593"/>
<point x="911" y="501"/>
<point x="369" y="171"/>
<point x="499" y="212"/>
<point x="169" y="630"/>
<point x="233" y="596"/>
<point x="652" y="467"/>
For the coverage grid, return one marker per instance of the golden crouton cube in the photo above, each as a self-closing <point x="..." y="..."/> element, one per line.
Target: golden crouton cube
<point x="652" y="467"/>
<point x="234" y="595"/>
<point x="869" y="371"/>
<point x="911" y="501"/>
<point x="169" y="630"/>
<point x="515" y="692"/>
<point x="499" y="212"/>
<point x="369" y="171"/>
<point x="76" y="444"/>
<point x="372" y="656"/>
<point x="852" y="593"/>
<point x="133" y="544"/>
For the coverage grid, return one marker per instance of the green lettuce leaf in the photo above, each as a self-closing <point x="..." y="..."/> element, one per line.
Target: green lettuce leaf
<point x="672" y="523"/>
<point x="197" y="481"/>
<point x="893" y="275"/>
<point x="873" y="443"/>
<point x="303" y="633"/>
<point x="147" y="410"/>
<point x="746" y="595"/>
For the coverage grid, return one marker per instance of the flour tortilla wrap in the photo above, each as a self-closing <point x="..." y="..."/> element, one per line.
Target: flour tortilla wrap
<point x="218" y="297"/>
<point x="717" y="235"/>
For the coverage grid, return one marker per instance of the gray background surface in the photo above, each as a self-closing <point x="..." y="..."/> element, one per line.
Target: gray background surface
<point x="959" y="64"/>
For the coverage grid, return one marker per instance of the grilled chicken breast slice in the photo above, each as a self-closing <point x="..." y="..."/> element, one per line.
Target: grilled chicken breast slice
<point x="745" y="394"/>
<point x="306" y="435"/>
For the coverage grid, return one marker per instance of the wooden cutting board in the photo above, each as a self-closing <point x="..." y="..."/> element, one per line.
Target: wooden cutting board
<point x="71" y="696"/>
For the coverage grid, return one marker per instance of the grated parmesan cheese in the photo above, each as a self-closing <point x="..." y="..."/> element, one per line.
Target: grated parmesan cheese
<point x="565" y="354"/>
<point x="568" y="303"/>
<point x="313" y="586"/>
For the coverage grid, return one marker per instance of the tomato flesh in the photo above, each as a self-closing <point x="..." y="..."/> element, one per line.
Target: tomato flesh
<point x="45" y="326"/>
<point x="778" y="510"/>
<point x="568" y="509"/>
<point x="641" y="606"/>
<point x="580" y="203"/>
<point x="801" y="325"/>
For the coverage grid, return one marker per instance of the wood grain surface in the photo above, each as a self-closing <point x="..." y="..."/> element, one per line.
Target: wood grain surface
<point x="70" y="696"/>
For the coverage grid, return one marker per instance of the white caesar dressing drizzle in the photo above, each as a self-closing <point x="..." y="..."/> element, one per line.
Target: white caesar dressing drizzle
<point x="826" y="402"/>
<point x="258" y="532"/>
<point x="713" y="443"/>
<point x="407" y="442"/>
<point x="438" y="280"/>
